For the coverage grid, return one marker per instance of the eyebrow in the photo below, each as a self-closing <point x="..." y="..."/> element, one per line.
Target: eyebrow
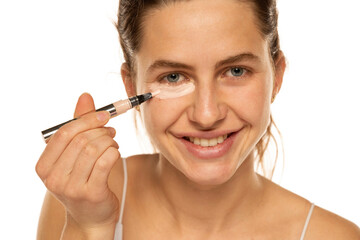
<point x="170" y="64"/>
<point x="238" y="58"/>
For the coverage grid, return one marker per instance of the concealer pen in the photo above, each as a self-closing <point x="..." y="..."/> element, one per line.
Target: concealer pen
<point x="114" y="109"/>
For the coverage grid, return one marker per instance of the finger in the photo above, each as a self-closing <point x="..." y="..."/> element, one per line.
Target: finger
<point x="87" y="158"/>
<point x="62" y="138"/>
<point x="102" y="168"/>
<point x="58" y="177"/>
<point x="84" y="105"/>
<point x="64" y="165"/>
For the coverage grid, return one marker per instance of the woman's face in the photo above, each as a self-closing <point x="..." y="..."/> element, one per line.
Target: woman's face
<point x="214" y="45"/>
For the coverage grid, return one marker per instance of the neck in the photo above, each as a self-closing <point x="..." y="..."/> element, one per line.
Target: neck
<point x="210" y="209"/>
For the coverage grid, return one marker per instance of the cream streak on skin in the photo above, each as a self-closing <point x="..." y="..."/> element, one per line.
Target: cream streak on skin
<point x="168" y="91"/>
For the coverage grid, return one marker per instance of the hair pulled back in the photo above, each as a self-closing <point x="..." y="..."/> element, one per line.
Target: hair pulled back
<point x="131" y="17"/>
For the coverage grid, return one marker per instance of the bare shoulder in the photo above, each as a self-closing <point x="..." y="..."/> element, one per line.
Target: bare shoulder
<point x="137" y="167"/>
<point x="325" y="224"/>
<point x="141" y="160"/>
<point x="134" y="163"/>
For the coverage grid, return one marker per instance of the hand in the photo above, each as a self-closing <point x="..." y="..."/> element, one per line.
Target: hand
<point x="76" y="164"/>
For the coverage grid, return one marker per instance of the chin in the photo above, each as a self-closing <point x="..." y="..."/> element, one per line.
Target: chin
<point x="209" y="176"/>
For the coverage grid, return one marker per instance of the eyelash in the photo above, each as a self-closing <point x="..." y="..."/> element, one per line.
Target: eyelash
<point x="244" y="74"/>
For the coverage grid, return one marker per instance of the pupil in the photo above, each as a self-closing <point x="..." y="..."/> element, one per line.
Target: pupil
<point x="173" y="77"/>
<point x="236" y="71"/>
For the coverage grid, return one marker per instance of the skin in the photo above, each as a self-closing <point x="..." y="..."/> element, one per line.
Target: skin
<point x="212" y="107"/>
<point x="174" y="194"/>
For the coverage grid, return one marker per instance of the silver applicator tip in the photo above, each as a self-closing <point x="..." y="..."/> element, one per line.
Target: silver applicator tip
<point x="139" y="99"/>
<point x="149" y="95"/>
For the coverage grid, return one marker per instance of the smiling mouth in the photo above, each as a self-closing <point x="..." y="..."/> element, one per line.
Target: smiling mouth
<point x="205" y="142"/>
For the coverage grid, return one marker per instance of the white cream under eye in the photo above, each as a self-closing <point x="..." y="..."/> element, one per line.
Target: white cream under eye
<point x="172" y="90"/>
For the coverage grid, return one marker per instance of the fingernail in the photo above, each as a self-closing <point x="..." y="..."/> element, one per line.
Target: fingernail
<point x="102" y="116"/>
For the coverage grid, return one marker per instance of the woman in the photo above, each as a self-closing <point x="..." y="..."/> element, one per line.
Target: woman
<point x="202" y="183"/>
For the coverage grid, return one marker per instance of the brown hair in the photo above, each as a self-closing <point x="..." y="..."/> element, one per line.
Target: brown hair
<point x="131" y="17"/>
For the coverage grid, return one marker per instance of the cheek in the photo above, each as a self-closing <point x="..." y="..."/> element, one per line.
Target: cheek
<point x="251" y="102"/>
<point x="159" y="115"/>
<point x="259" y="104"/>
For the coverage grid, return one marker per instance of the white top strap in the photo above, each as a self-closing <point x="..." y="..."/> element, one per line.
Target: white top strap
<point x="119" y="227"/>
<point x="124" y="191"/>
<point x="307" y="221"/>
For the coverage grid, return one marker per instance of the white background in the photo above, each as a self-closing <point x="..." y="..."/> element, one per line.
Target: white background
<point x="52" y="51"/>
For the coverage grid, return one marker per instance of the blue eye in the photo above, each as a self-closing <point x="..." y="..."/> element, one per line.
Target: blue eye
<point x="174" y="78"/>
<point x="236" y="72"/>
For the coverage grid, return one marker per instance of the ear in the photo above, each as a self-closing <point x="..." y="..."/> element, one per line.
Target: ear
<point x="129" y="83"/>
<point x="280" y="66"/>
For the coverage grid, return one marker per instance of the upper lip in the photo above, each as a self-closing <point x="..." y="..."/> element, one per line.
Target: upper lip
<point x="206" y="135"/>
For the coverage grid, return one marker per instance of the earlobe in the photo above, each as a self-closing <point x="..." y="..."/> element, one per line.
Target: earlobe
<point x="127" y="80"/>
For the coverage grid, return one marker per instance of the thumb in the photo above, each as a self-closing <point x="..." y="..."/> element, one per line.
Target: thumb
<point x="84" y="105"/>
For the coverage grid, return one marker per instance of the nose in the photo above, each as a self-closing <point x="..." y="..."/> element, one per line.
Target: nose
<point x="207" y="111"/>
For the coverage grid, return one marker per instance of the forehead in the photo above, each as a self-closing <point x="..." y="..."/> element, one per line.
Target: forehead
<point x="200" y="29"/>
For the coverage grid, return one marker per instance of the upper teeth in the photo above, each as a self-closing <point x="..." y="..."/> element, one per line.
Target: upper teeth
<point x="208" y="142"/>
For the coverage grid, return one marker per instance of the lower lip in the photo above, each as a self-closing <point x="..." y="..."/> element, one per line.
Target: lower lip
<point x="210" y="152"/>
